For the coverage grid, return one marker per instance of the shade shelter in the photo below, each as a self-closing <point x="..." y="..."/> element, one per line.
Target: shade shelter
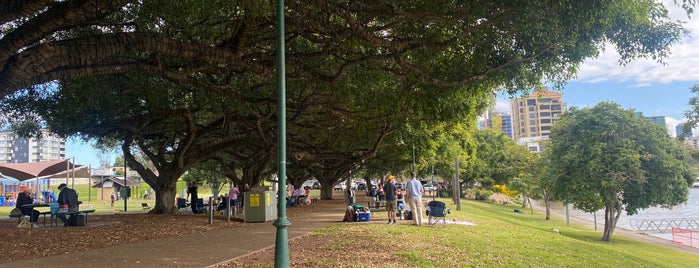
<point x="36" y="170"/>
<point x="27" y="171"/>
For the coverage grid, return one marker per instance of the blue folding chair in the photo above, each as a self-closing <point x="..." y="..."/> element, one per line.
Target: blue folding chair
<point x="436" y="213"/>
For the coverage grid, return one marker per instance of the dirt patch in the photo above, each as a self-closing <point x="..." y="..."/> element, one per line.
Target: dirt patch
<point x="102" y="231"/>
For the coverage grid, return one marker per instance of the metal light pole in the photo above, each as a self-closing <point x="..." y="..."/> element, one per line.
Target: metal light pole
<point x="281" y="248"/>
<point x="413" y="157"/>
<point x="125" y="186"/>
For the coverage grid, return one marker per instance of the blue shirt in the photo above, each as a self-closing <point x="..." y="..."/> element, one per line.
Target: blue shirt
<point x="414" y="188"/>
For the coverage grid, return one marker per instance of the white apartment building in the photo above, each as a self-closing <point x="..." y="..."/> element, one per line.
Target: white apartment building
<point x="14" y="149"/>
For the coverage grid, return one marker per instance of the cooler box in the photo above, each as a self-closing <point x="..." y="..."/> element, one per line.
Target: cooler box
<point x="363" y="216"/>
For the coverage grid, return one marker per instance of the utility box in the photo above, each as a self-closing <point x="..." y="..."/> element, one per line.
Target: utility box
<point x="260" y="206"/>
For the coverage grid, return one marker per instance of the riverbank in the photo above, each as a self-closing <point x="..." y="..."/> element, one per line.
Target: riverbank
<point x="559" y="211"/>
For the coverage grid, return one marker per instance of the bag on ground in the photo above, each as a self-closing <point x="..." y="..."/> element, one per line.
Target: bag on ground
<point x="77" y="220"/>
<point x="350" y="215"/>
<point x="15" y="212"/>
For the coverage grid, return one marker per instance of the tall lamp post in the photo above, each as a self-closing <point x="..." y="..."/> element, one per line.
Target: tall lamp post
<point x="281" y="248"/>
<point x="413" y="157"/>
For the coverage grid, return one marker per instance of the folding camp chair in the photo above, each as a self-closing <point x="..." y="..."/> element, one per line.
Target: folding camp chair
<point x="436" y="213"/>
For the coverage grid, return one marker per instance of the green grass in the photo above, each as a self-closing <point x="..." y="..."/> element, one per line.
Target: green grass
<point x="89" y="199"/>
<point x="501" y="238"/>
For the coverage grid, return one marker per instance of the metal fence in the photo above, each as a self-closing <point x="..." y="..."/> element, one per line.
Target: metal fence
<point x="685" y="237"/>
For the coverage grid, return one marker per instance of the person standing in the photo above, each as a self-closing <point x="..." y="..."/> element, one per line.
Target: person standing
<point x="390" y="190"/>
<point x="67" y="198"/>
<point x="192" y="192"/>
<point x="349" y="196"/>
<point x="233" y="193"/>
<point x="413" y="194"/>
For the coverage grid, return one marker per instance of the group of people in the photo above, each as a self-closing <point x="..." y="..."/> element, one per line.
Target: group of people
<point x="67" y="201"/>
<point x="295" y="196"/>
<point x="232" y="196"/>
<point x="412" y="195"/>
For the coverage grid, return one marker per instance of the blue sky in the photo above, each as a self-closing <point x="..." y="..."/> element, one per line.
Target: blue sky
<point x="643" y="85"/>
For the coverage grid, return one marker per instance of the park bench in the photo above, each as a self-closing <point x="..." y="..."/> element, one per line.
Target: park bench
<point x="77" y="212"/>
<point x="145" y="206"/>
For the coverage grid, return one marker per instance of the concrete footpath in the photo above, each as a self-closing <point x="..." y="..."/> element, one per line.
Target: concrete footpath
<point x="194" y="250"/>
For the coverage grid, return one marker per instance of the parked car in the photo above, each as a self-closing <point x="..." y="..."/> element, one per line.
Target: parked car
<point x="429" y="187"/>
<point x="308" y="183"/>
<point x="399" y="185"/>
<point x="361" y="186"/>
<point x="316" y="185"/>
<point x="339" y="186"/>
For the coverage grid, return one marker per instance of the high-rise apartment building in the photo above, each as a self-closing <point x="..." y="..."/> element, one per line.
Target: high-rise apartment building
<point x="15" y="149"/>
<point x="533" y="116"/>
<point x="497" y="121"/>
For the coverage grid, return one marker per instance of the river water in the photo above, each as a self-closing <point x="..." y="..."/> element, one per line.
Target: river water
<point x="688" y="210"/>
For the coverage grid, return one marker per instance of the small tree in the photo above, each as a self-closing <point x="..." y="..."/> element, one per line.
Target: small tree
<point x="611" y="158"/>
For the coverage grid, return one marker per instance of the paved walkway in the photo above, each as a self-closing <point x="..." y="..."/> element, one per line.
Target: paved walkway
<point x="193" y="250"/>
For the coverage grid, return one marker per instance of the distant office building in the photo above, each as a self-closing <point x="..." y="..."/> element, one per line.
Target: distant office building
<point x="497" y="121"/>
<point x="661" y="121"/>
<point x="15" y="149"/>
<point x="679" y="131"/>
<point x="533" y="116"/>
<point x="658" y="120"/>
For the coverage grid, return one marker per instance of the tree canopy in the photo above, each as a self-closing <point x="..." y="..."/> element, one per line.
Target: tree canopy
<point x="185" y="81"/>
<point x="611" y="158"/>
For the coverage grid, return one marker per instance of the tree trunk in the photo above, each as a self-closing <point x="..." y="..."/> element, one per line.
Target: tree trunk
<point x="612" y="212"/>
<point x="326" y="191"/>
<point x="548" y="209"/>
<point x="165" y="200"/>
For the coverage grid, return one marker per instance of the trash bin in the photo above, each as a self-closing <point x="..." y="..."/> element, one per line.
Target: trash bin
<point x="2" y="201"/>
<point x="260" y="206"/>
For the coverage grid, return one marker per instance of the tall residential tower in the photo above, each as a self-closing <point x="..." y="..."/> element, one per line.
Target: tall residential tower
<point x="533" y="116"/>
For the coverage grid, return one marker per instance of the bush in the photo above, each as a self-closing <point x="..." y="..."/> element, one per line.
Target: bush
<point x="479" y="194"/>
<point x="444" y="193"/>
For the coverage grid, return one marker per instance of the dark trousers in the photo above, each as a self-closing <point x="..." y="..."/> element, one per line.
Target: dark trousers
<point x="34" y="217"/>
<point x="66" y="221"/>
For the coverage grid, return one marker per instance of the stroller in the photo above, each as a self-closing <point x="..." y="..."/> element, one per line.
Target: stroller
<point x="436" y="213"/>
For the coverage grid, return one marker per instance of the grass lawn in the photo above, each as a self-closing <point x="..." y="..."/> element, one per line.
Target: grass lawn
<point x="500" y="238"/>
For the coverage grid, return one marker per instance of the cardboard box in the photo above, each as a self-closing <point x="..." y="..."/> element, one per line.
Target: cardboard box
<point x="363" y="216"/>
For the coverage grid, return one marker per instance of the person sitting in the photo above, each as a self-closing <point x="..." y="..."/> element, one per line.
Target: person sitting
<point x="400" y="203"/>
<point x="25" y="198"/>
<point x="67" y="199"/>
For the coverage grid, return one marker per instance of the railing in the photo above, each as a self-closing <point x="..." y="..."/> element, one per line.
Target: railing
<point x="685" y="237"/>
<point x="664" y="225"/>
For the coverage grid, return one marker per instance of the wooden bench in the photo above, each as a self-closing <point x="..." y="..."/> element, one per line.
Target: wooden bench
<point x="145" y="206"/>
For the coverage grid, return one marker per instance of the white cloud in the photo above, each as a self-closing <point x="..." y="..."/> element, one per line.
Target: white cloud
<point x="502" y="105"/>
<point x="680" y="65"/>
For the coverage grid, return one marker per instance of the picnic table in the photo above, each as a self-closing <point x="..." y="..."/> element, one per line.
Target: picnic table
<point x="54" y="212"/>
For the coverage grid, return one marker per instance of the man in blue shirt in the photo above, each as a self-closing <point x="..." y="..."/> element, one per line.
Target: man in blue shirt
<point x="413" y="194"/>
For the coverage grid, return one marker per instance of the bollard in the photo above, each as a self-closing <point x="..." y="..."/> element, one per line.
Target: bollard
<point x="211" y="211"/>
